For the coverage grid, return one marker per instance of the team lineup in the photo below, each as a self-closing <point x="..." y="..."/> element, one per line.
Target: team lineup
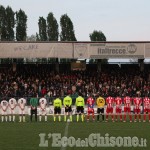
<point x="111" y="106"/>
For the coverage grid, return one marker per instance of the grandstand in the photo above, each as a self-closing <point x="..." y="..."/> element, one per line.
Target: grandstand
<point x="47" y="69"/>
<point x="36" y="66"/>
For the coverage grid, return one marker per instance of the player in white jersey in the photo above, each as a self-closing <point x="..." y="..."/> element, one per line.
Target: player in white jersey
<point x="12" y="105"/>
<point x="21" y="105"/>
<point x="42" y="112"/>
<point x="4" y="107"/>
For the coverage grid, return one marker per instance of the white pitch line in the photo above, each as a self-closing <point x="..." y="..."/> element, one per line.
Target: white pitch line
<point x="65" y="134"/>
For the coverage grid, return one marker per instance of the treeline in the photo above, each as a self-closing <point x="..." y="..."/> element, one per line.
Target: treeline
<point x="13" y="27"/>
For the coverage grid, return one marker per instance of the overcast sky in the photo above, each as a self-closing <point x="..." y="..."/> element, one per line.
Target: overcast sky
<point x="119" y="20"/>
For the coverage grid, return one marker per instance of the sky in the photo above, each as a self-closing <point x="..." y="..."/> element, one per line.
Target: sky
<point x="119" y="20"/>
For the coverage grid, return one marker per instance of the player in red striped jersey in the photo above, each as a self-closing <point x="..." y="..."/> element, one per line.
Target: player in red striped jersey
<point x="118" y="102"/>
<point x="137" y="104"/>
<point x="109" y="108"/>
<point x="146" y="102"/>
<point x="90" y="103"/>
<point x="127" y="108"/>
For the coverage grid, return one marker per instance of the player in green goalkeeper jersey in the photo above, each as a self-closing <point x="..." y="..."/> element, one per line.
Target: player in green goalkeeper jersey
<point x="67" y="101"/>
<point x="57" y="108"/>
<point x="80" y="107"/>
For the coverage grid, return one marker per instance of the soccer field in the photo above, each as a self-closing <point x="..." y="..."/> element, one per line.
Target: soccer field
<point x="25" y="136"/>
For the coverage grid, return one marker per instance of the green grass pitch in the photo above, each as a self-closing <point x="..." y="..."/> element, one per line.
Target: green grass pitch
<point x="25" y="136"/>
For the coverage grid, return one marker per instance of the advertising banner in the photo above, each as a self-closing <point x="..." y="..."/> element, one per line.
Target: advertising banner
<point x="116" y="50"/>
<point x="36" y="50"/>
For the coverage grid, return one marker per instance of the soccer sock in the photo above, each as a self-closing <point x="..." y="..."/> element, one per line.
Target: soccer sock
<point x="130" y="117"/>
<point x="112" y="116"/>
<point x="125" y="117"/>
<point x="31" y="117"/>
<point x="103" y="117"/>
<point x="59" y="118"/>
<point x="65" y="117"/>
<point x="24" y="118"/>
<point x="98" y="117"/>
<point x="6" y="118"/>
<point x="45" y="118"/>
<point x="13" y="118"/>
<point x="106" y="116"/>
<point x="54" y="118"/>
<point x="9" y="118"/>
<point x="120" y="117"/>
<point x="20" y="118"/>
<point x="149" y="116"/>
<point x="82" y="117"/>
<point x="77" y="118"/>
<point x="93" y="116"/>
<point x="88" y="116"/>
<point x="144" y="116"/>
<point x="139" y="117"/>
<point x="40" y="118"/>
<point x="116" y="116"/>
<point x="135" y="116"/>
<point x="2" y="118"/>
<point x="71" y="118"/>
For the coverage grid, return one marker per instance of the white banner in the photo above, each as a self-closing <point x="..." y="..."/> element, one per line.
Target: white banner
<point x="116" y="50"/>
<point x="36" y="50"/>
<point x="81" y="50"/>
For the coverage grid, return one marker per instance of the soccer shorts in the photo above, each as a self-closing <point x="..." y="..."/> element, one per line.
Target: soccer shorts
<point x="57" y="110"/>
<point x="90" y="110"/>
<point x="42" y="112"/>
<point x="127" y="109"/>
<point x="146" y="110"/>
<point x="118" y="110"/>
<point x="100" y="110"/>
<point x="80" y="109"/>
<point x="68" y="109"/>
<point x="109" y="110"/>
<point x="3" y="112"/>
<point x="137" y="110"/>
<point x="11" y="111"/>
<point x="21" y="112"/>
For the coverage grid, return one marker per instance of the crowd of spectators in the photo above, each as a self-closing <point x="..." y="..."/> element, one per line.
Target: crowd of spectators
<point x="41" y="79"/>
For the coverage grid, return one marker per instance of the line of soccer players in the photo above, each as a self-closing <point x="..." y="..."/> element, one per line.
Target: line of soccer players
<point x="8" y="109"/>
<point x="113" y="108"/>
<point x="128" y="101"/>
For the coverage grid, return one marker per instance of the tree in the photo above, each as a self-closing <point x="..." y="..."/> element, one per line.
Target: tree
<point x="10" y="23"/>
<point x="67" y="29"/>
<point x="2" y="23"/>
<point x="52" y="28"/>
<point x="42" y="29"/>
<point x="21" y="26"/>
<point x="97" y="36"/>
<point x="53" y="34"/>
<point x="37" y="37"/>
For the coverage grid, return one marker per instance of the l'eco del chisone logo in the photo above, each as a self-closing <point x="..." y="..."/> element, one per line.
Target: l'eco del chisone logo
<point x="132" y="48"/>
